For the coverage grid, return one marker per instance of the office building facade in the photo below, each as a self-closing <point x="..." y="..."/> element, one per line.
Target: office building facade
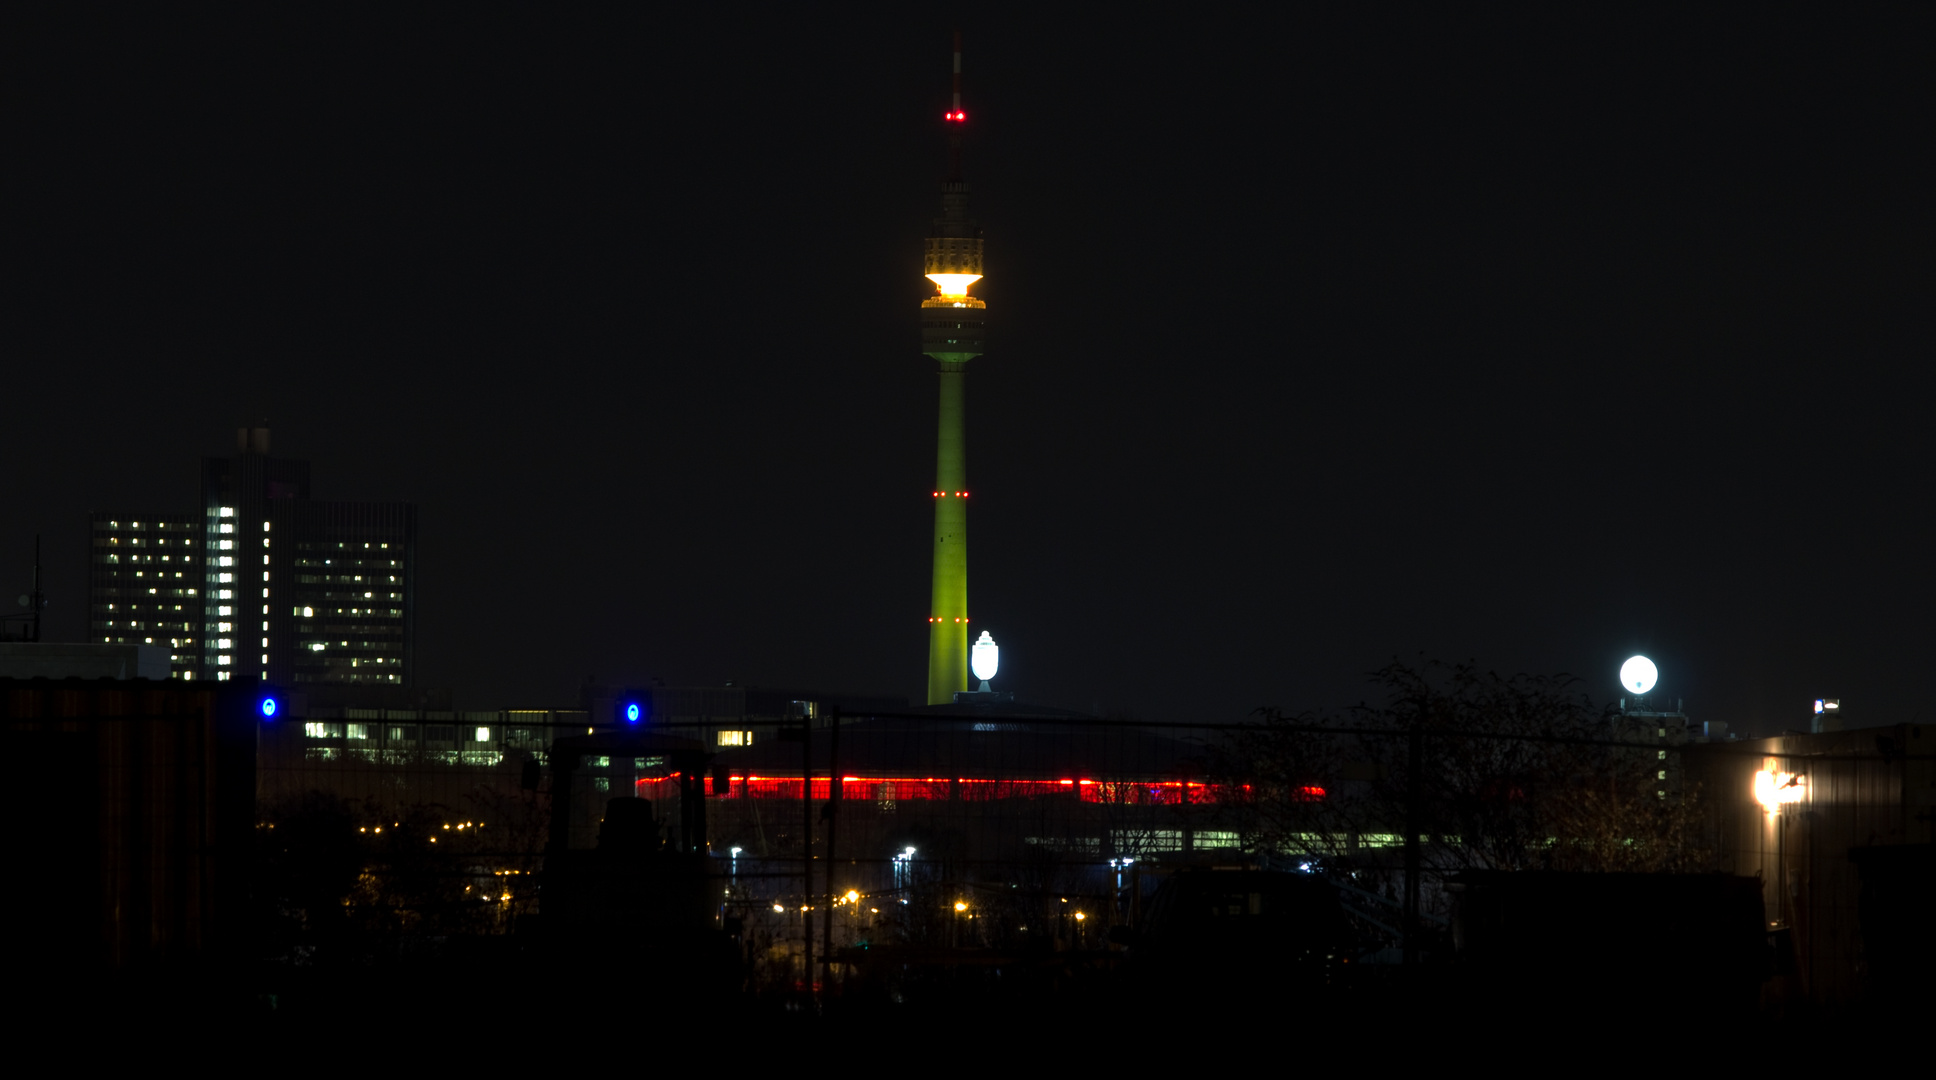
<point x="145" y="585"/>
<point x="263" y="583"/>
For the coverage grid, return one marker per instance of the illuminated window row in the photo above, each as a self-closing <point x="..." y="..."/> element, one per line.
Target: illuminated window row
<point x="140" y="525"/>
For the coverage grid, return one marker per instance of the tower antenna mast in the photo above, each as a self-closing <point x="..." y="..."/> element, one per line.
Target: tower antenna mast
<point x="957" y="117"/>
<point x="952" y="328"/>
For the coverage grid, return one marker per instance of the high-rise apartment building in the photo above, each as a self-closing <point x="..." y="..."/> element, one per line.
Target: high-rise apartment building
<point x="263" y="583"/>
<point x="144" y="585"/>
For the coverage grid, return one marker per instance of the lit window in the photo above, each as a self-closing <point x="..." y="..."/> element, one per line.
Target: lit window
<point x="735" y="738"/>
<point x="483" y="734"/>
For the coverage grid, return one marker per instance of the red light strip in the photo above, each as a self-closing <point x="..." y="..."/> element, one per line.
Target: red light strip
<point x="972" y="789"/>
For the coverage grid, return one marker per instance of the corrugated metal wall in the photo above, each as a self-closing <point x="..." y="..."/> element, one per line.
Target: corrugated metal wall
<point x="1864" y="788"/>
<point x="138" y="801"/>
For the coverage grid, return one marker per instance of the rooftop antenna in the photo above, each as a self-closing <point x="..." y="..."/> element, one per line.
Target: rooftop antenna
<point x="33" y="601"/>
<point x="956" y="116"/>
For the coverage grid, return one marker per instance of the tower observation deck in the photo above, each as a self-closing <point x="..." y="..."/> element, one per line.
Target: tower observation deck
<point x="953" y="325"/>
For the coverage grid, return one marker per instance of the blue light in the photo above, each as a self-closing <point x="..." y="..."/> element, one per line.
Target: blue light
<point x="268" y="708"/>
<point x="632" y="713"/>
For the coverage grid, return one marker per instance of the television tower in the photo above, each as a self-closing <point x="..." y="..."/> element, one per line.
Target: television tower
<point x="952" y="328"/>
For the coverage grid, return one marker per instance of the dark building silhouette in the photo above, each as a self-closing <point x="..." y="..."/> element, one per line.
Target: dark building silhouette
<point x="261" y="582"/>
<point x="135" y="823"/>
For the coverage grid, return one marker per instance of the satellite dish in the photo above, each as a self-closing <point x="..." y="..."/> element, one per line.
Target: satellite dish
<point x="1639" y="675"/>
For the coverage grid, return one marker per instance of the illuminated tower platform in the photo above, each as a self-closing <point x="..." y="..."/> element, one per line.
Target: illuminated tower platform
<point x="952" y="329"/>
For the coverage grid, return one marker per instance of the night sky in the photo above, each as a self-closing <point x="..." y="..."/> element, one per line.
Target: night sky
<point x="1337" y="334"/>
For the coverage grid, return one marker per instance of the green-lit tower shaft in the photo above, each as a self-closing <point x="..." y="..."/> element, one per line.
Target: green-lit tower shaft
<point x="952" y="327"/>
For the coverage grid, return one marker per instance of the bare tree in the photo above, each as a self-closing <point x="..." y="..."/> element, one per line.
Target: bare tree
<point x="1513" y="773"/>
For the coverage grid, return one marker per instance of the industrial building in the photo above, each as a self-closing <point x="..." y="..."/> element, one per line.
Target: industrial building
<point x="135" y="825"/>
<point x="1839" y="826"/>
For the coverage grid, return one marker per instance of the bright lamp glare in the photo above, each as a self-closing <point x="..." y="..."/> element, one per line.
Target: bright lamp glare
<point x="954" y="284"/>
<point x="1772" y="788"/>
<point x="1639" y="675"/>
<point x="985" y="656"/>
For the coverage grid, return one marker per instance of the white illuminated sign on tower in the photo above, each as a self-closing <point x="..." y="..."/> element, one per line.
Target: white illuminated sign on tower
<point x="984" y="657"/>
<point x="1639" y="675"/>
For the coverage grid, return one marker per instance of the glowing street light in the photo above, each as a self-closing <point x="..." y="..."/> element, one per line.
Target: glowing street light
<point x="1772" y="788"/>
<point x="1639" y="674"/>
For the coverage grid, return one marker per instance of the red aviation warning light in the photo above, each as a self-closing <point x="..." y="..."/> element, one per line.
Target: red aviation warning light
<point x="958" y="116"/>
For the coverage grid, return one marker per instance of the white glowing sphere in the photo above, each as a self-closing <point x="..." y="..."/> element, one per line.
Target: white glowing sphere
<point x="1639" y="674"/>
<point x="985" y="657"/>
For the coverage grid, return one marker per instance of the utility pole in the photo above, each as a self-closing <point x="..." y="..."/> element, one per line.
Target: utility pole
<point x="806" y="837"/>
<point x="1414" y="795"/>
<point x="35" y="597"/>
<point x="39" y="601"/>
<point x="832" y="812"/>
<point x="33" y="602"/>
